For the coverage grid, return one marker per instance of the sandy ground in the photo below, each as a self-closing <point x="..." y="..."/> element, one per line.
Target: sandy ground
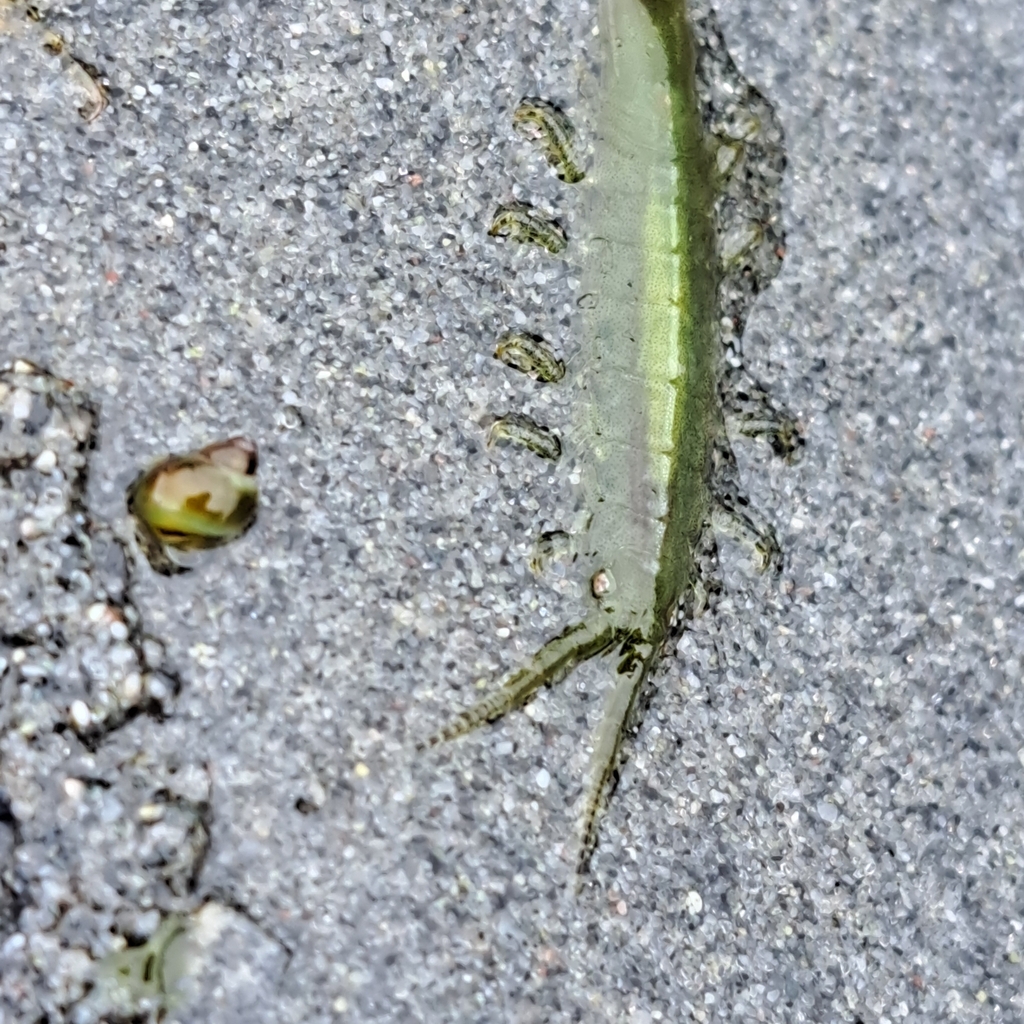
<point x="278" y="228"/>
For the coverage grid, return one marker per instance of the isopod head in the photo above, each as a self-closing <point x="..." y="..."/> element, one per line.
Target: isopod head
<point x="201" y="499"/>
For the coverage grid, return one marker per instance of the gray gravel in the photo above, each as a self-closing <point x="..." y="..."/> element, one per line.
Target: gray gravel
<point x="278" y="228"/>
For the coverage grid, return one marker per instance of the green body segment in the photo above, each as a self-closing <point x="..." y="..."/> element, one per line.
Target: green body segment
<point x="649" y="351"/>
<point x="649" y="344"/>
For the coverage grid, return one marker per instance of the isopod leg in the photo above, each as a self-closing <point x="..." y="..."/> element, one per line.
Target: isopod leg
<point x="619" y="714"/>
<point x="550" y="547"/>
<point x="708" y="584"/>
<point x="543" y="122"/>
<point x="750" y="412"/>
<point x="522" y="223"/>
<point x="88" y="78"/>
<point x="550" y="665"/>
<point x="527" y="433"/>
<point x="733" y="517"/>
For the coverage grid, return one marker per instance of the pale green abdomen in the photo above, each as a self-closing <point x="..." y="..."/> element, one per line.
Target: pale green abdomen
<point x="647" y="359"/>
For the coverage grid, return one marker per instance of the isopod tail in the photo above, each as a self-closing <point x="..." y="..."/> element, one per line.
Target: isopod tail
<point x="548" y="666"/>
<point x="622" y="711"/>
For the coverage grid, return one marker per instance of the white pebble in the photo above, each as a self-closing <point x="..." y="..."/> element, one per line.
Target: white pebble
<point x="131" y="688"/>
<point x="21" y="404"/>
<point x="81" y="716"/>
<point x="23" y="810"/>
<point x="74" y="789"/>
<point x="828" y="812"/>
<point x="46" y="461"/>
<point x="155" y="687"/>
<point x="543" y="778"/>
<point x="693" y="903"/>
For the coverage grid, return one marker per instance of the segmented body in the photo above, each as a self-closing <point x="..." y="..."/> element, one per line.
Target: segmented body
<point x="649" y="342"/>
<point x="651" y="436"/>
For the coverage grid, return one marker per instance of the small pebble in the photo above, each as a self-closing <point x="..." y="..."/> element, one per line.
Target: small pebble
<point x="131" y="688"/>
<point x="21" y="404"/>
<point x="81" y="716"/>
<point x="74" y="789"/>
<point x="155" y="687"/>
<point x="828" y="812"/>
<point x="46" y="461"/>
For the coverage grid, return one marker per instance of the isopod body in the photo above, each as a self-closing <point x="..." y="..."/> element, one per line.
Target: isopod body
<point x="650" y="434"/>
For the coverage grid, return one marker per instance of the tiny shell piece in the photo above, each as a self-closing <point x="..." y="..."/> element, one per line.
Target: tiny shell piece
<point x="202" y="499"/>
<point x="601" y="583"/>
